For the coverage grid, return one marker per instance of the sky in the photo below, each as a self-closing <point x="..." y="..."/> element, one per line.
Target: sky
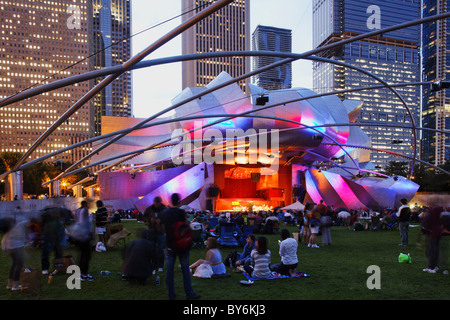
<point x="155" y="87"/>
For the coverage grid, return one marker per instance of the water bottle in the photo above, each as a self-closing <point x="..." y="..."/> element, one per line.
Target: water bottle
<point x="104" y="272"/>
<point x="158" y="280"/>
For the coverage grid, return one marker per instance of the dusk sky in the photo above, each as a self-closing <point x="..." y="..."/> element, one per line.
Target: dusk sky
<point x="155" y="87"/>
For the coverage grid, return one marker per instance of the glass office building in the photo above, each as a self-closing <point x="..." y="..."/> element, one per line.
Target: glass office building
<point x="40" y="43"/>
<point x="226" y="30"/>
<point x="393" y="56"/>
<point x="111" y="25"/>
<point x="267" y="38"/>
<point x="435" y="146"/>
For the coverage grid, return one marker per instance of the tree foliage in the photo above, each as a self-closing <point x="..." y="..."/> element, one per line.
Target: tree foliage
<point x="429" y="179"/>
<point x="38" y="173"/>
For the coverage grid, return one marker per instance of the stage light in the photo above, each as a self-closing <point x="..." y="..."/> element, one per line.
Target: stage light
<point x="439" y="85"/>
<point x="261" y="101"/>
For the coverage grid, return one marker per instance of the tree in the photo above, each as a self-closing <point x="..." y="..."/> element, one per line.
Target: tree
<point x="397" y="168"/>
<point x="7" y="161"/>
<point x="430" y="179"/>
<point x="35" y="175"/>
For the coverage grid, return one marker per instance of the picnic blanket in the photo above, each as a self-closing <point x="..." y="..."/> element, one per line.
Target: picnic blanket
<point x="275" y="275"/>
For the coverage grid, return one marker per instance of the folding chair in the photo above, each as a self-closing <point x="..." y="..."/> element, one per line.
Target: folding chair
<point x="198" y="241"/>
<point x="227" y="235"/>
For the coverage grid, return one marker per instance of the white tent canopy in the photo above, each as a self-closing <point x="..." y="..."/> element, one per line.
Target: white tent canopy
<point x="294" y="206"/>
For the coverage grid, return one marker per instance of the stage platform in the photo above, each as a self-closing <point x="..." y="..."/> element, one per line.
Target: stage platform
<point x="243" y="204"/>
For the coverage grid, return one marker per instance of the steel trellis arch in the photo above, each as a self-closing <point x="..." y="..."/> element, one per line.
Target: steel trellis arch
<point x="442" y="16"/>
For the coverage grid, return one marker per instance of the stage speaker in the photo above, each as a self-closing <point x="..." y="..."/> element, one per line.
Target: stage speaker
<point x="213" y="192"/>
<point x="209" y="205"/>
<point x="297" y="191"/>
<point x="255" y="176"/>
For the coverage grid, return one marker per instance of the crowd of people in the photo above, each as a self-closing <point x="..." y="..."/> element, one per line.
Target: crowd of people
<point x="158" y="246"/>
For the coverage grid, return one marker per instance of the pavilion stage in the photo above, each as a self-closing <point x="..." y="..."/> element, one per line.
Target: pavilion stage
<point x="214" y="187"/>
<point x="239" y="188"/>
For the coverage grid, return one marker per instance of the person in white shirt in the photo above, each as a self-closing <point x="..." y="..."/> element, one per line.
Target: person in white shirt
<point x="288" y="254"/>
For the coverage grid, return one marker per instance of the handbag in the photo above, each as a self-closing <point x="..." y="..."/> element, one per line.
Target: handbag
<point x="30" y="281"/>
<point x="203" y="271"/>
<point x="326" y="221"/>
<point x="63" y="263"/>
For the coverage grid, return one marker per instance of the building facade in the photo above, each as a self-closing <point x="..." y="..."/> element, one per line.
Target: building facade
<point x="435" y="146"/>
<point x="111" y="25"/>
<point x="393" y="56"/>
<point x="39" y="41"/>
<point x="267" y="38"/>
<point x="226" y="30"/>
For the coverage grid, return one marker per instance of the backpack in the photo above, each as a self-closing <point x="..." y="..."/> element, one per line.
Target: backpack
<point x="230" y="260"/>
<point x="182" y="236"/>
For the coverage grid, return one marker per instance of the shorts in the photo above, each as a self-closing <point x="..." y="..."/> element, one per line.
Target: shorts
<point x="100" y="230"/>
<point x="314" y="229"/>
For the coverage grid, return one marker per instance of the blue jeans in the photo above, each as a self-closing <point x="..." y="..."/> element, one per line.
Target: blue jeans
<point x="170" y="264"/>
<point x="160" y="245"/>
<point x="51" y="242"/>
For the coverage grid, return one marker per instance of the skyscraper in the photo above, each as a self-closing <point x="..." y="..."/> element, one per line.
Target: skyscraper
<point x="112" y="24"/>
<point x="37" y="40"/>
<point x="435" y="146"/>
<point x="392" y="56"/>
<point x="267" y="38"/>
<point x="226" y="30"/>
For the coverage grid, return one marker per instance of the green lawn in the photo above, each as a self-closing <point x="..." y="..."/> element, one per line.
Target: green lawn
<point x="337" y="272"/>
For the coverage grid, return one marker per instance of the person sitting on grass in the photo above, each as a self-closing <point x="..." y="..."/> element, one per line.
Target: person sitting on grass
<point x="259" y="268"/>
<point x="213" y="258"/>
<point x="288" y="254"/>
<point x="244" y="258"/>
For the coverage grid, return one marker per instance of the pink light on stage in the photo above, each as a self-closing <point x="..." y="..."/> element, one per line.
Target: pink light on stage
<point x="345" y="192"/>
<point x="311" y="188"/>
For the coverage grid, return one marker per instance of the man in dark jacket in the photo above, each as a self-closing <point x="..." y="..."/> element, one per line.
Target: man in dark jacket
<point x="139" y="256"/>
<point x="152" y="215"/>
<point x="52" y="222"/>
<point x="170" y="216"/>
<point x="404" y="216"/>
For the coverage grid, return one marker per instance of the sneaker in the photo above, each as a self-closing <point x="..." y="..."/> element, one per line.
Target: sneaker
<point x="194" y="296"/>
<point x="44" y="271"/>
<point x="87" y="277"/>
<point x="315" y="246"/>
<point x="19" y="287"/>
<point x="160" y="269"/>
<point x="429" y="270"/>
<point x="309" y="245"/>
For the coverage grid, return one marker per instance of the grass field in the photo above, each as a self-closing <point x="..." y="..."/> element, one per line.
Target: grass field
<point x="337" y="272"/>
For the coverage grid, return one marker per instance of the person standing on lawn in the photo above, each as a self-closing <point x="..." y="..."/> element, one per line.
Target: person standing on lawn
<point x="82" y="237"/>
<point x="101" y="219"/>
<point x="152" y="214"/>
<point x="13" y="242"/>
<point x="404" y="216"/>
<point x="170" y="216"/>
